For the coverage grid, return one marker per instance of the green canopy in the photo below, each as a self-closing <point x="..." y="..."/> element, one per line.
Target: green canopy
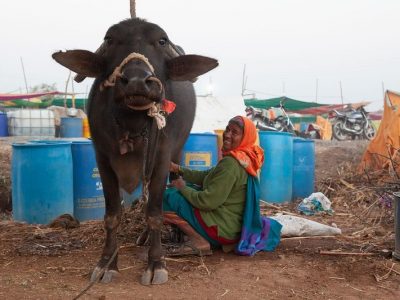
<point x="289" y="104"/>
<point x="79" y="102"/>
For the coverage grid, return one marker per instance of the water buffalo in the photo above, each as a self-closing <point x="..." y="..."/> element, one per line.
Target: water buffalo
<point x="136" y="131"/>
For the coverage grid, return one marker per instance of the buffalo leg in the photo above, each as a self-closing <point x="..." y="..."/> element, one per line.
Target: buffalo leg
<point x="112" y="220"/>
<point x="156" y="272"/>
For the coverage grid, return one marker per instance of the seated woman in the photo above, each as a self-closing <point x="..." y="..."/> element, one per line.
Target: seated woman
<point x="213" y="213"/>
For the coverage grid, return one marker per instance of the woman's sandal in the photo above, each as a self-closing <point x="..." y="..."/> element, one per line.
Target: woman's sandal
<point x="186" y="249"/>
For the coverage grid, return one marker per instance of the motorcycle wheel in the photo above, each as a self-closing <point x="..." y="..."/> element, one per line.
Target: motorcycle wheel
<point x="369" y="131"/>
<point x="337" y="131"/>
<point x="281" y="125"/>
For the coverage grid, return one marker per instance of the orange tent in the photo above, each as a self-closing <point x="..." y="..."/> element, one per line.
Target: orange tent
<point x="382" y="150"/>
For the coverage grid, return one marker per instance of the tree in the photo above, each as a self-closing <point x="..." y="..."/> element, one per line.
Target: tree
<point x="44" y="87"/>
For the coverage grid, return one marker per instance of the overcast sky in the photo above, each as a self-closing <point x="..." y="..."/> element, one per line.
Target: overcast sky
<point x="287" y="45"/>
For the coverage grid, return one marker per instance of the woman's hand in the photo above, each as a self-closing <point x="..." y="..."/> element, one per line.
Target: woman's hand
<point x="179" y="183"/>
<point x="173" y="167"/>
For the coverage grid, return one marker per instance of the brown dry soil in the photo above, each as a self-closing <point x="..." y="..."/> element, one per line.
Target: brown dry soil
<point x="38" y="262"/>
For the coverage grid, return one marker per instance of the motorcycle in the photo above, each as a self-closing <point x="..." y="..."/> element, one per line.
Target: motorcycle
<point x="354" y="124"/>
<point x="272" y="119"/>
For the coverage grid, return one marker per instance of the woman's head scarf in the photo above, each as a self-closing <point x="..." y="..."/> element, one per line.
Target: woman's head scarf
<point x="248" y="154"/>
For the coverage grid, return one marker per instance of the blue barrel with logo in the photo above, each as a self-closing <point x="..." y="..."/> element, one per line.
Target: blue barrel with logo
<point x="71" y="127"/>
<point x="303" y="167"/>
<point x="3" y="124"/>
<point x="89" y="201"/>
<point x="200" y="151"/>
<point x="277" y="171"/>
<point x="41" y="175"/>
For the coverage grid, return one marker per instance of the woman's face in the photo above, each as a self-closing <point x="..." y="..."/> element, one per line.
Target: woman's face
<point x="232" y="137"/>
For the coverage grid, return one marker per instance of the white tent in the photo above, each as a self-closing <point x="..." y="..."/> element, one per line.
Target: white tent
<point x="214" y="113"/>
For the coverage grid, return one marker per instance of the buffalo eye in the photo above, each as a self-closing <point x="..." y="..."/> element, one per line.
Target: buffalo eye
<point x="162" y="41"/>
<point x="108" y="40"/>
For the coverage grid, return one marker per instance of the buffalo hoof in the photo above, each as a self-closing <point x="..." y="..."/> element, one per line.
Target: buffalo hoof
<point x="147" y="276"/>
<point x="160" y="276"/>
<point x="104" y="276"/>
<point x="154" y="276"/>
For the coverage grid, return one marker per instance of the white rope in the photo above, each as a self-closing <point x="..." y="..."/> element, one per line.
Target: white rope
<point x="155" y="112"/>
<point x="110" y="81"/>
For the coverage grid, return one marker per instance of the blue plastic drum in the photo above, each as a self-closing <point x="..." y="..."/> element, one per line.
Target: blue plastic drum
<point x="277" y="172"/>
<point x="200" y="151"/>
<point x="3" y="124"/>
<point x="303" y="167"/>
<point x="89" y="201"/>
<point x="41" y="175"/>
<point x="71" y="127"/>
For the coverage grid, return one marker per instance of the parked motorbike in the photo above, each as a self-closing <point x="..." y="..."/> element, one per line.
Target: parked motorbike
<point x="353" y="124"/>
<point x="273" y="119"/>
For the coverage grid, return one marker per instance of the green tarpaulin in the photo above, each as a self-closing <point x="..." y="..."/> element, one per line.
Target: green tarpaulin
<point x="289" y="104"/>
<point x="79" y="102"/>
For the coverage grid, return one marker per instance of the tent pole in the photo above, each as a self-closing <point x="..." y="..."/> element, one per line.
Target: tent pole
<point x="341" y="91"/>
<point x="243" y="80"/>
<point x="23" y="71"/>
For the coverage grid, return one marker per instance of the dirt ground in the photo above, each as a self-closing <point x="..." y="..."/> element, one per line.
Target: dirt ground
<point x="38" y="262"/>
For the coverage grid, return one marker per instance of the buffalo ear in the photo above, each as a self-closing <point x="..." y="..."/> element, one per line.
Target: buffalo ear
<point x="188" y="67"/>
<point x="82" y="62"/>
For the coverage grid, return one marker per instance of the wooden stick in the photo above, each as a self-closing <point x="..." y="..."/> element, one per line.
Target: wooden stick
<point x="126" y="268"/>
<point x="349" y="185"/>
<point x="8" y="263"/>
<point x="384" y="287"/>
<point x="307" y="237"/>
<point x="179" y="260"/>
<point x="226" y="292"/>
<point x="347" y="253"/>
<point x="278" y="208"/>
<point x="203" y="265"/>
<point x="393" y="270"/>
<point x="355" y="288"/>
<point x="65" y="268"/>
<point x="132" y="245"/>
